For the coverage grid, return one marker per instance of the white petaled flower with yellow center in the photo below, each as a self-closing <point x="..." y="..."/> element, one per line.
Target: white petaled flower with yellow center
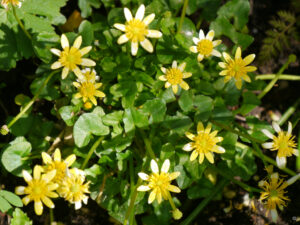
<point x="283" y="143"/>
<point x="87" y="87"/>
<point x="71" y="58"/>
<point x="61" y="166"/>
<point x="136" y="30"/>
<point x="40" y="189"/>
<point x="237" y="68"/>
<point x="174" y="76"/>
<point x="73" y="188"/>
<point x="6" y="3"/>
<point x="204" y="143"/>
<point x="159" y="182"/>
<point x="204" y="45"/>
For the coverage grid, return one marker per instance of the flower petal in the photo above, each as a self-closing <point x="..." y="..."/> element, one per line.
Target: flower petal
<point x="78" y="205"/>
<point x="166" y="166"/>
<point x="26" y="200"/>
<point x="120" y="26"/>
<point x="216" y="42"/>
<point x="267" y="133"/>
<point x="222" y="65"/>
<point x="87" y="62"/>
<point x="167" y="85"/>
<point x="148" y="19"/>
<point x="37" y="170"/>
<point x="20" y="190"/>
<point x="182" y="66"/>
<point x="57" y="155"/>
<point x="122" y="39"/>
<point x="85" y="50"/>
<point x="247" y="60"/>
<point x="175" y="88"/>
<point x="200" y="57"/>
<point x="174" y="175"/>
<point x="290" y="127"/>
<point x="238" y="84"/>
<point x="143" y="188"/>
<point x="200" y="127"/>
<point x="56" y="65"/>
<point x="143" y="176"/>
<point x="184" y="85"/>
<point x="174" y="188"/>
<point x="174" y="64"/>
<point x="154" y="34"/>
<point x="194" y="155"/>
<point x="49" y="176"/>
<point x="162" y="78"/>
<point x="55" y="51"/>
<point x="216" y="53"/>
<point x="77" y="42"/>
<point x="64" y="73"/>
<point x="250" y="68"/>
<point x="267" y="145"/>
<point x="147" y="45"/>
<point x="296" y="152"/>
<point x="186" y="75"/>
<point x="64" y="41"/>
<point x="276" y="127"/>
<point x="189" y="135"/>
<point x="140" y="12"/>
<point x="27" y="176"/>
<point x="219" y="149"/>
<point x="48" y="202"/>
<point x="226" y="57"/>
<point x="70" y="160"/>
<point x="134" y="48"/>
<point x="152" y="196"/>
<point x="154" y="166"/>
<point x="46" y="158"/>
<point x="193" y="49"/>
<point x="274" y="215"/>
<point x="201" y="158"/>
<point x="163" y="69"/>
<point x="38" y="208"/>
<point x="127" y="14"/>
<point x="195" y="40"/>
<point x="210" y="35"/>
<point x="201" y="34"/>
<point x="210" y="157"/>
<point x="238" y="53"/>
<point x="281" y="161"/>
<point x="188" y="147"/>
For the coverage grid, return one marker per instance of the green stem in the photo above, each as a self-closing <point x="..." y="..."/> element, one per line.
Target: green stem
<point x="20" y="22"/>
<point x="24" y="110"/>
<point x="185" y="4"/>
<point x="280" y="77"/>
<point x="289" y="112"/>
<point x="171" y="201"/>
<point x="91" y="151"/>
<point x="267" y="158"/>
<point x="204" y="202"/>
<point x="274" y="80"/>
<point x="245" y="135"/>
<point x="148" y="145"/>
<point x="51" y="215"/>
<point x="240" y="183"/>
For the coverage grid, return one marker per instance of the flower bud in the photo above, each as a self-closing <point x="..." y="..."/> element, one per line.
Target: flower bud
<point x="177" y="214"/>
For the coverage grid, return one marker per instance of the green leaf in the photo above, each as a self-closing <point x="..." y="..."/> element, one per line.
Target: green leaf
<point x="156" y="108"/>
<point x="183" y="180"/>
<point x="250" y="101"/>
<point x="11" y="198"/>
<point x="186" y="101"/>
<point x="22" y="126"/>
<point x="204" y="106"/>
<point x="87" y="32"/>
<point x="86" y="125"/>
<point x="86" y="6"/>
<point x="200" y="190"/>
<point x="4" y="205"/>
<point x="134" y="117"/>
<point x="68" y="114"/>
<point x="178" y="123"/>
<point x="13" y="154"/>
<point x="20" y="218"/>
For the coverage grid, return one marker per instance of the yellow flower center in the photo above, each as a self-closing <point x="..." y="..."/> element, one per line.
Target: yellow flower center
<point x="174" y="76"/>
<point x="87" y="89"/>
<point x="236" y="68"/>
<point x="136" y="30"/>
<point x="60" y="168"/>
<point x="70" y="58"/>
<point x="159" y="181"/>
<point x="205" y="47"/>
<point x="273" y="193"/>
<point x="75" y="188"/>
<point x="204" y="143"/>
<point x="284" y="143"/>
<point x="36" y="189"/>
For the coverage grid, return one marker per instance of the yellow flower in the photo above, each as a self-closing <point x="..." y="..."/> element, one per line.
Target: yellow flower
<point x="273" y="194"/>
<point x="204" y="45"/>
<point x="40" y="189"/>
<point x="237" y="68"/>
<point x="70" y="58"/>
<point x="159" y="182"/>
<point x="88" y="76"/>
<point x="136" y="30"/>
<point x="73" y="188"/>
<point x="204" y="143"/>
<point x="87" y="88"/>
<point x="57" y="164"/>
<point x="283" y="143"/>
<point x="5" y="3"/>
<point x="174" y="76"/>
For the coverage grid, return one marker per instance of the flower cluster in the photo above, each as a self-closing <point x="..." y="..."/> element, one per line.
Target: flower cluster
<point x="14" y="3"/>
<point x="53" y="179"/>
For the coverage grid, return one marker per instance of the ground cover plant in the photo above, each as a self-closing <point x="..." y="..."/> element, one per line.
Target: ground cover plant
<point x="146" y="112"/>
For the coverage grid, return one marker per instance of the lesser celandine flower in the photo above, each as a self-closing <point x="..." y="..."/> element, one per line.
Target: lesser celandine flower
<point x="71" y="58"/>
<point x="73" y="188"/>
<point x="204" y="45"/>
<point x="204" y="143"/>
<point x="6" y="3"/>
<point x="61" y="166"/>
<point x="159" y="182"/>
<point x="136" y="30"/>
<point x="174" y="76"/>
<point x="283" y="143"/>
<point x="87" y="87"/>
<point x="237" y="68"/>
<point x="40" y="189"/>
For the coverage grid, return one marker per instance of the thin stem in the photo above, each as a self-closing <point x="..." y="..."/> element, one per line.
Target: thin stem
<point x="24" y="110"/>
<point x="204" y="202"/>
<point x="91" y="151"/>
<point x="20" y="22"/>
<point x="267" y="158"/>
<point x="245" y="135"/>
<point x="51" y="215"/>
<point x="171" y="201"/>
<point x="274" y="80"/>
<point x="289" y="112"/>
<point x="240" y="183"/>
<point x="185" y="4"/>
<point x="280" y="77"/>
<point x="148" y="145"/>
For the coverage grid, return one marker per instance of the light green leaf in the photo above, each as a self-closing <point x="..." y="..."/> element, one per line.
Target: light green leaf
<point x="20" y="218"/>
<point x="11" y="198"/>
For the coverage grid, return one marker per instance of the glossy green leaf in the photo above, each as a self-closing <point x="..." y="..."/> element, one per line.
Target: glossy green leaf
<point x="11" y="198"/>
<point x="20" y="218"/>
